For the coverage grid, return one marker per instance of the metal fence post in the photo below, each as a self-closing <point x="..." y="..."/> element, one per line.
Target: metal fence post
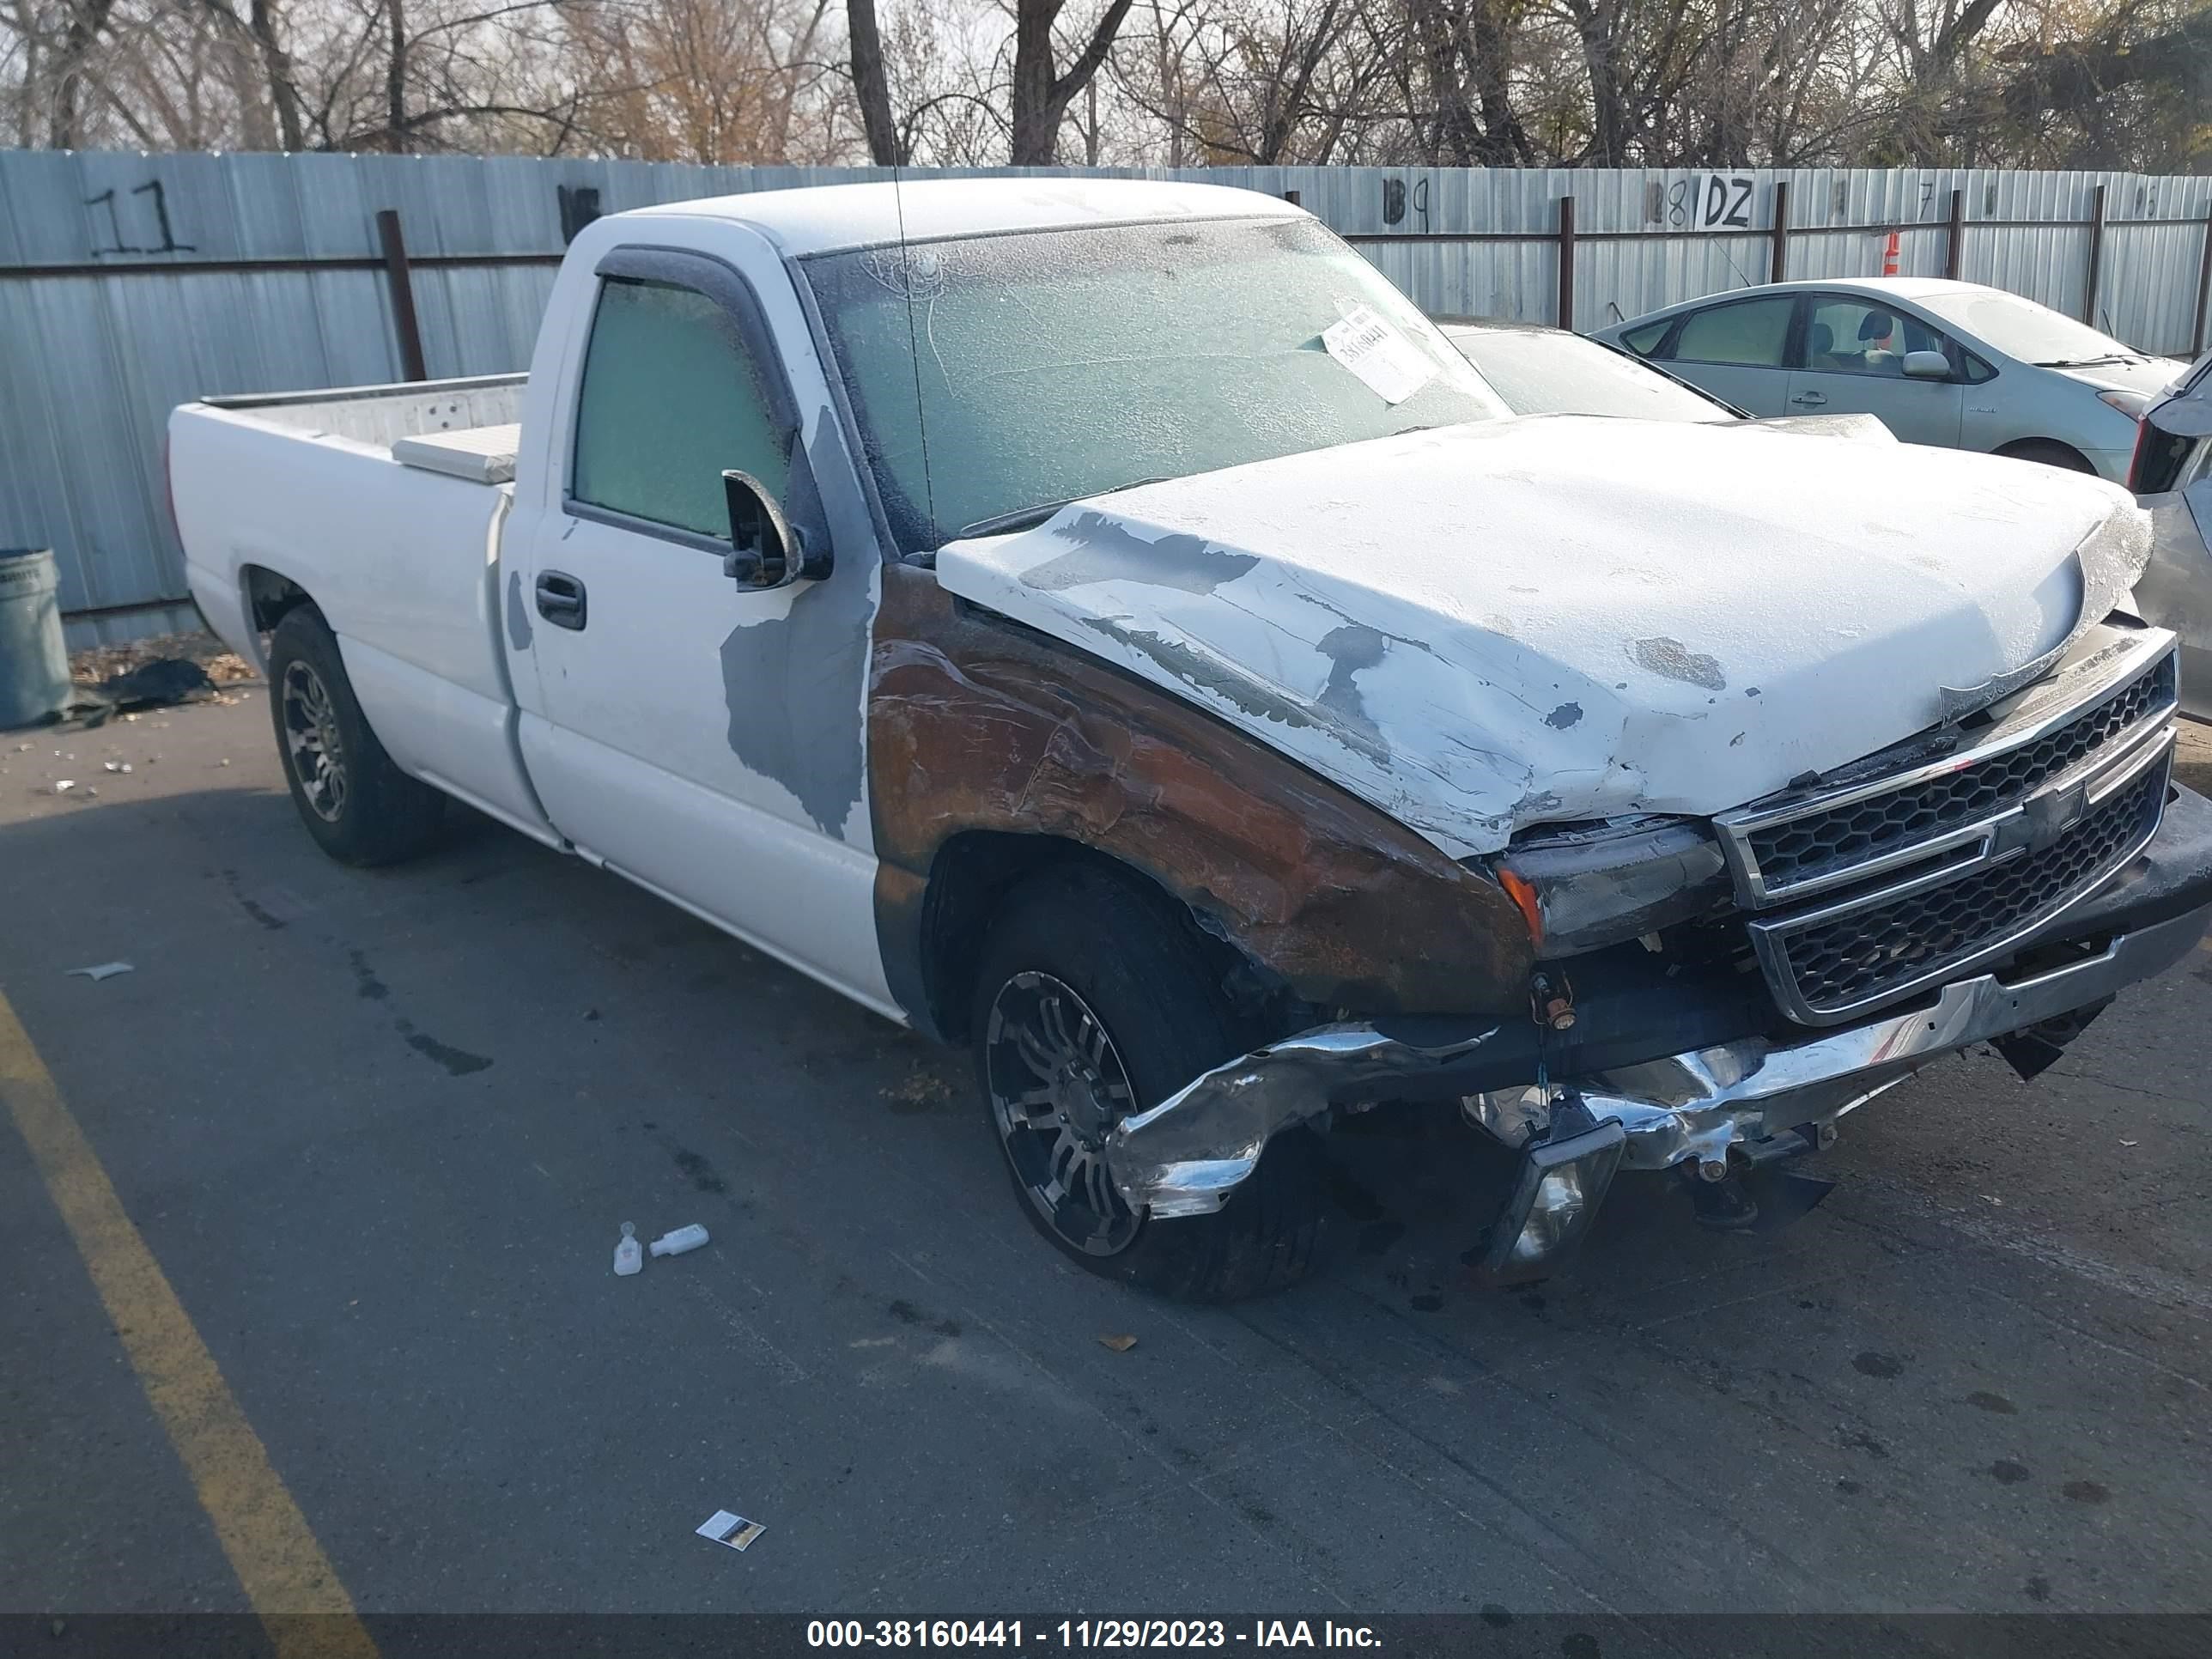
<point x="401" y="280"/>
<point x="2203" y="289"/>
<point x="2096" y="256"/>
<point x="1566" y="262"/>
<point x="1778" y="264"/>
<point x="1955" y="249"/>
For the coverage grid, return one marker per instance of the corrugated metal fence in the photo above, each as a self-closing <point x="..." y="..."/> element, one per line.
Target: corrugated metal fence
<point x="132" y="283"/>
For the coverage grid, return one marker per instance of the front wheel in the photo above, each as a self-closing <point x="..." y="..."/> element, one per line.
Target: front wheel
<point x="1093" y="1003"/>
<point x="356" y="803"/>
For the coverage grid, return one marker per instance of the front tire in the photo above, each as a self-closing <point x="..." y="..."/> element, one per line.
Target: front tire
<point x="360" y="807"/>
<point x="1094" y="1002"/>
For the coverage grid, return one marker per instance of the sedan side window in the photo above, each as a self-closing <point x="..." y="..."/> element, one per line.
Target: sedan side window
<point x="670" y="397"/>
<point x="1645" y="340"/>
<point x="1751" y="334"/>
<point x="1860" y="336"/>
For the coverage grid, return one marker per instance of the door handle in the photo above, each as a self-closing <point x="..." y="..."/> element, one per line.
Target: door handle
<point x="1810" y="399"/>
<point x="561" y="598"/>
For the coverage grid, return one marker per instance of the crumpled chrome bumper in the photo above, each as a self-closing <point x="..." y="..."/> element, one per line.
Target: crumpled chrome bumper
<point x="1185" y="1156"/>
<point x="1190" y="1152"/>
<point x="1699" y="1104"/>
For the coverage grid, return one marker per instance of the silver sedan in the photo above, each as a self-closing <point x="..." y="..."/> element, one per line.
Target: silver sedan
<point x="1954" y="364"/>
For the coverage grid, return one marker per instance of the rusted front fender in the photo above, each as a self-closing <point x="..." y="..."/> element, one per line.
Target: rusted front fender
<point x="977" y="724"/>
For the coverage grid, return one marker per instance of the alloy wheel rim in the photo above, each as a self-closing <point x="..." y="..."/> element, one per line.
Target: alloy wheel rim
<point x="313" y="746"/>
<point x="1057" y="1088"/>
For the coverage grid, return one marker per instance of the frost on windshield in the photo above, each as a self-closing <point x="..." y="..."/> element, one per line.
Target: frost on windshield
<point x="999" y="374"/>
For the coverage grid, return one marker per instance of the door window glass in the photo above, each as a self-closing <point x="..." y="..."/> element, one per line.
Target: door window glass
<point x="670" y="398"/>
<point x="1863" y="336"/>
<point x="1753" y="333"/>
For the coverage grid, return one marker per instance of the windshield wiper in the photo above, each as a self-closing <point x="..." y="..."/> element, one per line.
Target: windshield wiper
<point x="1027" y="518"/>
<point x="2094" y="363"/>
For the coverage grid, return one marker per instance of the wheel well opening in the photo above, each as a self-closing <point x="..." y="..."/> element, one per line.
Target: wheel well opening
<point x="2053" y="452"/>
<point x="269" y="597"/>
<point x="976" y="871"/>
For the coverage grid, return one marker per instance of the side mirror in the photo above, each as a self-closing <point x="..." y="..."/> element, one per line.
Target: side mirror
<point x="766" y="550"/>
<point x="1927" y="366"/>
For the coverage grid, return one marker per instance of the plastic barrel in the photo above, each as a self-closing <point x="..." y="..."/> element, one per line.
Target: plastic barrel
<point x="34" y="675"/>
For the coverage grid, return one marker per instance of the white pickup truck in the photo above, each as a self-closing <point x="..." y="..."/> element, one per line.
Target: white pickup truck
<point x="1105" y="624"/>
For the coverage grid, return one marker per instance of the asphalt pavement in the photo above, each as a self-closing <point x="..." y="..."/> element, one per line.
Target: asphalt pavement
<point x="379" y="1131"/>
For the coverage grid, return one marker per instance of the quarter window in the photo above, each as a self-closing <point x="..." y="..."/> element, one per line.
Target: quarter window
<point x="670" y="398"/>
<point x="1752" y="333"/>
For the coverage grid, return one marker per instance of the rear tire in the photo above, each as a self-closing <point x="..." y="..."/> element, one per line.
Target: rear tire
<point x="360" y="807"/>
<point x="1093" y="1002"/>
<point x="2049" y="452"/>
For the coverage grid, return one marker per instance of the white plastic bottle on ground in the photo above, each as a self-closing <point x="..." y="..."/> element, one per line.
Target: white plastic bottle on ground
<point x="683" y="1239"/>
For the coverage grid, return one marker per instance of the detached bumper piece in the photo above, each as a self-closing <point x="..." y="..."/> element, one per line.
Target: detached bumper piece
<point x="1562" y="1183"/>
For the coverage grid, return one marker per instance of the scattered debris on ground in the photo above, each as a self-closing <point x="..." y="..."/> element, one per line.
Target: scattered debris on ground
<point x="1118" y="1344"/>
<point x="155" y="673"/>
<point x="920" y="1087"/>
<point x="732" y="1531"/>
<point x="101" y="663"/>
<point x="103" y="970"/>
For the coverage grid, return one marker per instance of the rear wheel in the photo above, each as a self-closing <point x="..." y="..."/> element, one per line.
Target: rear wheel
<point x="360" y="807"/>
<point x="1094" y="1003"/>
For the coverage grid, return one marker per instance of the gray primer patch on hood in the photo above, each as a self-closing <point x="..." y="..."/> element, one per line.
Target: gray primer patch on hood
<point x="1253" y="695"/>
<point x="1674" y="661"/>
<point x="794" y="683"/>
<point x="517" y="613"/>
<point x="1566" y="714"/>
<point x="1350" y="648"/>
<point x="1102" y="550"/>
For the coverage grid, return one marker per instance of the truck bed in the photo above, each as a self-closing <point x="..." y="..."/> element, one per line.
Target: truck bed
<point x="385" y="503"/>
<point x="384" y="416"/>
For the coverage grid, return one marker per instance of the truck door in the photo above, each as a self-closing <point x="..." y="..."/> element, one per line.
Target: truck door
<point x="704" y="738"/>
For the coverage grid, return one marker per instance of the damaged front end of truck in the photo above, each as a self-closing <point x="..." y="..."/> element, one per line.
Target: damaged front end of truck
<point x="1710" y="999"/>
<point x="1740" y="904"/>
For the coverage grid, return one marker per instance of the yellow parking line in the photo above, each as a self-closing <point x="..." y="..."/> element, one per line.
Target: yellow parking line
<point x="288" y="1581"/>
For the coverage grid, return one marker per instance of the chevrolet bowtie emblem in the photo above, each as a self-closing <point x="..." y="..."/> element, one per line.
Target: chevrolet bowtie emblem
<point x="2041" y="821"/>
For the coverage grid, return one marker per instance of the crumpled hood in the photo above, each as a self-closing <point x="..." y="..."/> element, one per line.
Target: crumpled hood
<point x="1483" y="627"/>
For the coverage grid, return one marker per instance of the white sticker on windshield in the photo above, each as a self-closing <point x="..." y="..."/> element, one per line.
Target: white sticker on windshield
<point x="1393" y="367"/>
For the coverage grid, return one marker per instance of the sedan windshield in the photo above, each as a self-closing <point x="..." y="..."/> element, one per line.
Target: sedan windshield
<point x="1542" y="371"/>
<point x="2026" y="331"/>
<point x="995" y="377"/>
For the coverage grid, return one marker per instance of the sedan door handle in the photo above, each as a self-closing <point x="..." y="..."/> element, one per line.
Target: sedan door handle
<point x="561" y="598"/>
<point x="1810" y="399"/>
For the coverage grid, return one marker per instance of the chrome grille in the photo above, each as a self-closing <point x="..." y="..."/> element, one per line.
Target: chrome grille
<point x="1865" y="955"/>
<point x="1865" y="892"/>
<point x="1793" y="855"/>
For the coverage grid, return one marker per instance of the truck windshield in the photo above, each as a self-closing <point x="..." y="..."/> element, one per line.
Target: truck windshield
<point x="1053" y="365"/>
